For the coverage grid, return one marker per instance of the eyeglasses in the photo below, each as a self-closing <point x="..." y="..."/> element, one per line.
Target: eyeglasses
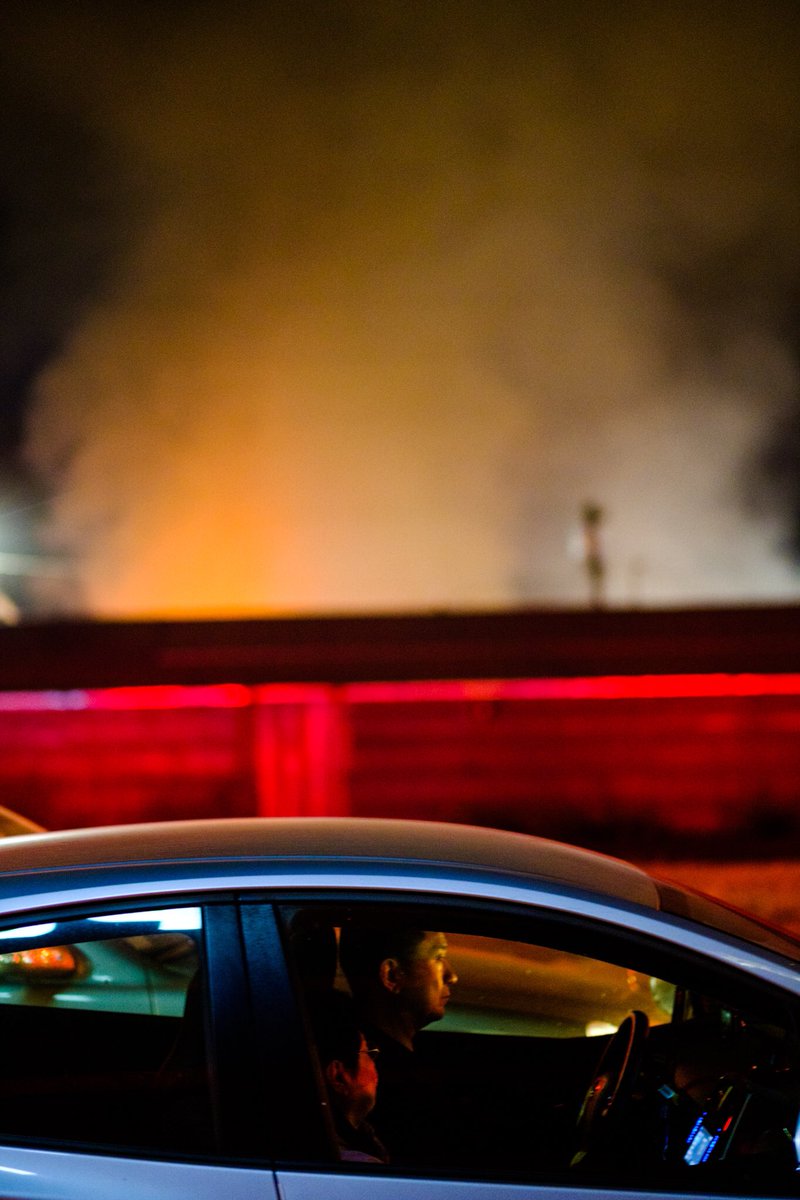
<point x="372" y="1051"/>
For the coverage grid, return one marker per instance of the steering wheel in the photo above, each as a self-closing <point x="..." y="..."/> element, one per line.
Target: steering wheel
<point x="611" y="1086"/>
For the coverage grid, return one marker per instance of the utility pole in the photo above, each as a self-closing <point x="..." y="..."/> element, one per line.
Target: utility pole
<point x="593" y="559"/>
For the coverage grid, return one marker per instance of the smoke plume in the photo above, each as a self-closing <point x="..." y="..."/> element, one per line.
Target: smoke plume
<point x="377" y="297"/>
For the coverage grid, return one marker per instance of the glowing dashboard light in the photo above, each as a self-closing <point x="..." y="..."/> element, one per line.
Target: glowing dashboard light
<point x="600" y="1028"/>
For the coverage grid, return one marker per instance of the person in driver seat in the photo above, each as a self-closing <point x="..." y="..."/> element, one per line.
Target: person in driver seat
<point x="401" y="981"/>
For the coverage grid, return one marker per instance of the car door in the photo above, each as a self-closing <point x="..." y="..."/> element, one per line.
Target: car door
<point x="124" y="1055"/>
<point x="576" y="1057"/>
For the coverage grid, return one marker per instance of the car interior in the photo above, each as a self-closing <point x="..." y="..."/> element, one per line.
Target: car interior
<point x="554" y="1062"/>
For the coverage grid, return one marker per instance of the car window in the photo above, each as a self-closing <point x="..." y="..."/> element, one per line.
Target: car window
<point x="517" y="1051"/>
<point x="513" y="988"/>
<point x="102" y="1030"/>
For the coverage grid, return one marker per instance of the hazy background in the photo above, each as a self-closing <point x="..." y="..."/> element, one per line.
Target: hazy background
<point x="344" y="305"/>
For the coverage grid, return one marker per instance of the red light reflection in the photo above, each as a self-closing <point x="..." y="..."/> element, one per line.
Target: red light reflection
<point x="234" y="695"/>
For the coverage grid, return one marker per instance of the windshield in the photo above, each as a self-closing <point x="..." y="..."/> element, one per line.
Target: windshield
<point x="682" y="902"/>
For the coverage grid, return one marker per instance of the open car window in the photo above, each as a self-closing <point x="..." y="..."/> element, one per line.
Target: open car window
<point x="577" y="1057"/>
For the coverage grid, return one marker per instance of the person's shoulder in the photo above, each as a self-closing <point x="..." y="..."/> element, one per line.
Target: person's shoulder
<point x="387" y="1046"/>
<point x="360" y="1144"/>
<point x="348" y="1155"/>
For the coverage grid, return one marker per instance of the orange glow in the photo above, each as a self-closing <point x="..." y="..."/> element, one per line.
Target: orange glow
<point x="42" y="963"/>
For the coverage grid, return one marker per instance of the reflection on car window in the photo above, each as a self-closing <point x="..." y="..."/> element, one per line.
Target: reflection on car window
<point x="144" y="967"/>
<point x="102" y="1031"/>
<point x="513" y="988"/>
<point x="500" y="1057"/>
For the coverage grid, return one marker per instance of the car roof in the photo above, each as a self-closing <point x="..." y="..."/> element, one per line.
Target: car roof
<point x="338" y="841"/>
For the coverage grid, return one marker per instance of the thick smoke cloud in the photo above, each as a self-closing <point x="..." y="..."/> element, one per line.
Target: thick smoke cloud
<point x="390" y="291"/>
<point x="57" y="235"/>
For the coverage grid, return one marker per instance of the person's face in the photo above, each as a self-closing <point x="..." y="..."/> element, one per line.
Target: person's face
<point x="361" y="1085"/>
<point x="425" y="980"/>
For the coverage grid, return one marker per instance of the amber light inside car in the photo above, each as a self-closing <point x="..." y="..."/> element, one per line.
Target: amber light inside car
<point x="43" y="964"/>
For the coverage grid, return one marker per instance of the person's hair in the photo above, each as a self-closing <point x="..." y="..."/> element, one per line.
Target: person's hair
<point x="362" y="949"/>
<point x="336" y="1030"/>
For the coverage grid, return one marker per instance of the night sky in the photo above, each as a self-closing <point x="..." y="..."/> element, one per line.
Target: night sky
<point x="340" y="306"/>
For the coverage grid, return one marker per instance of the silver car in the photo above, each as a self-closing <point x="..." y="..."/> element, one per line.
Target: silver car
<point x="594" y="1030"/>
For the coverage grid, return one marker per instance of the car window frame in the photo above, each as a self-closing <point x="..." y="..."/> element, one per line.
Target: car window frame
<point x="286" y="1108"/>
<point x="227" y="1020"/>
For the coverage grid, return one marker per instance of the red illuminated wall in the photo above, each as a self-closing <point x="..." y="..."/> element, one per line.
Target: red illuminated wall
<point x="98" y="764"/>
<point x="651" y="773"/>
<point x="652" y="763"/>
